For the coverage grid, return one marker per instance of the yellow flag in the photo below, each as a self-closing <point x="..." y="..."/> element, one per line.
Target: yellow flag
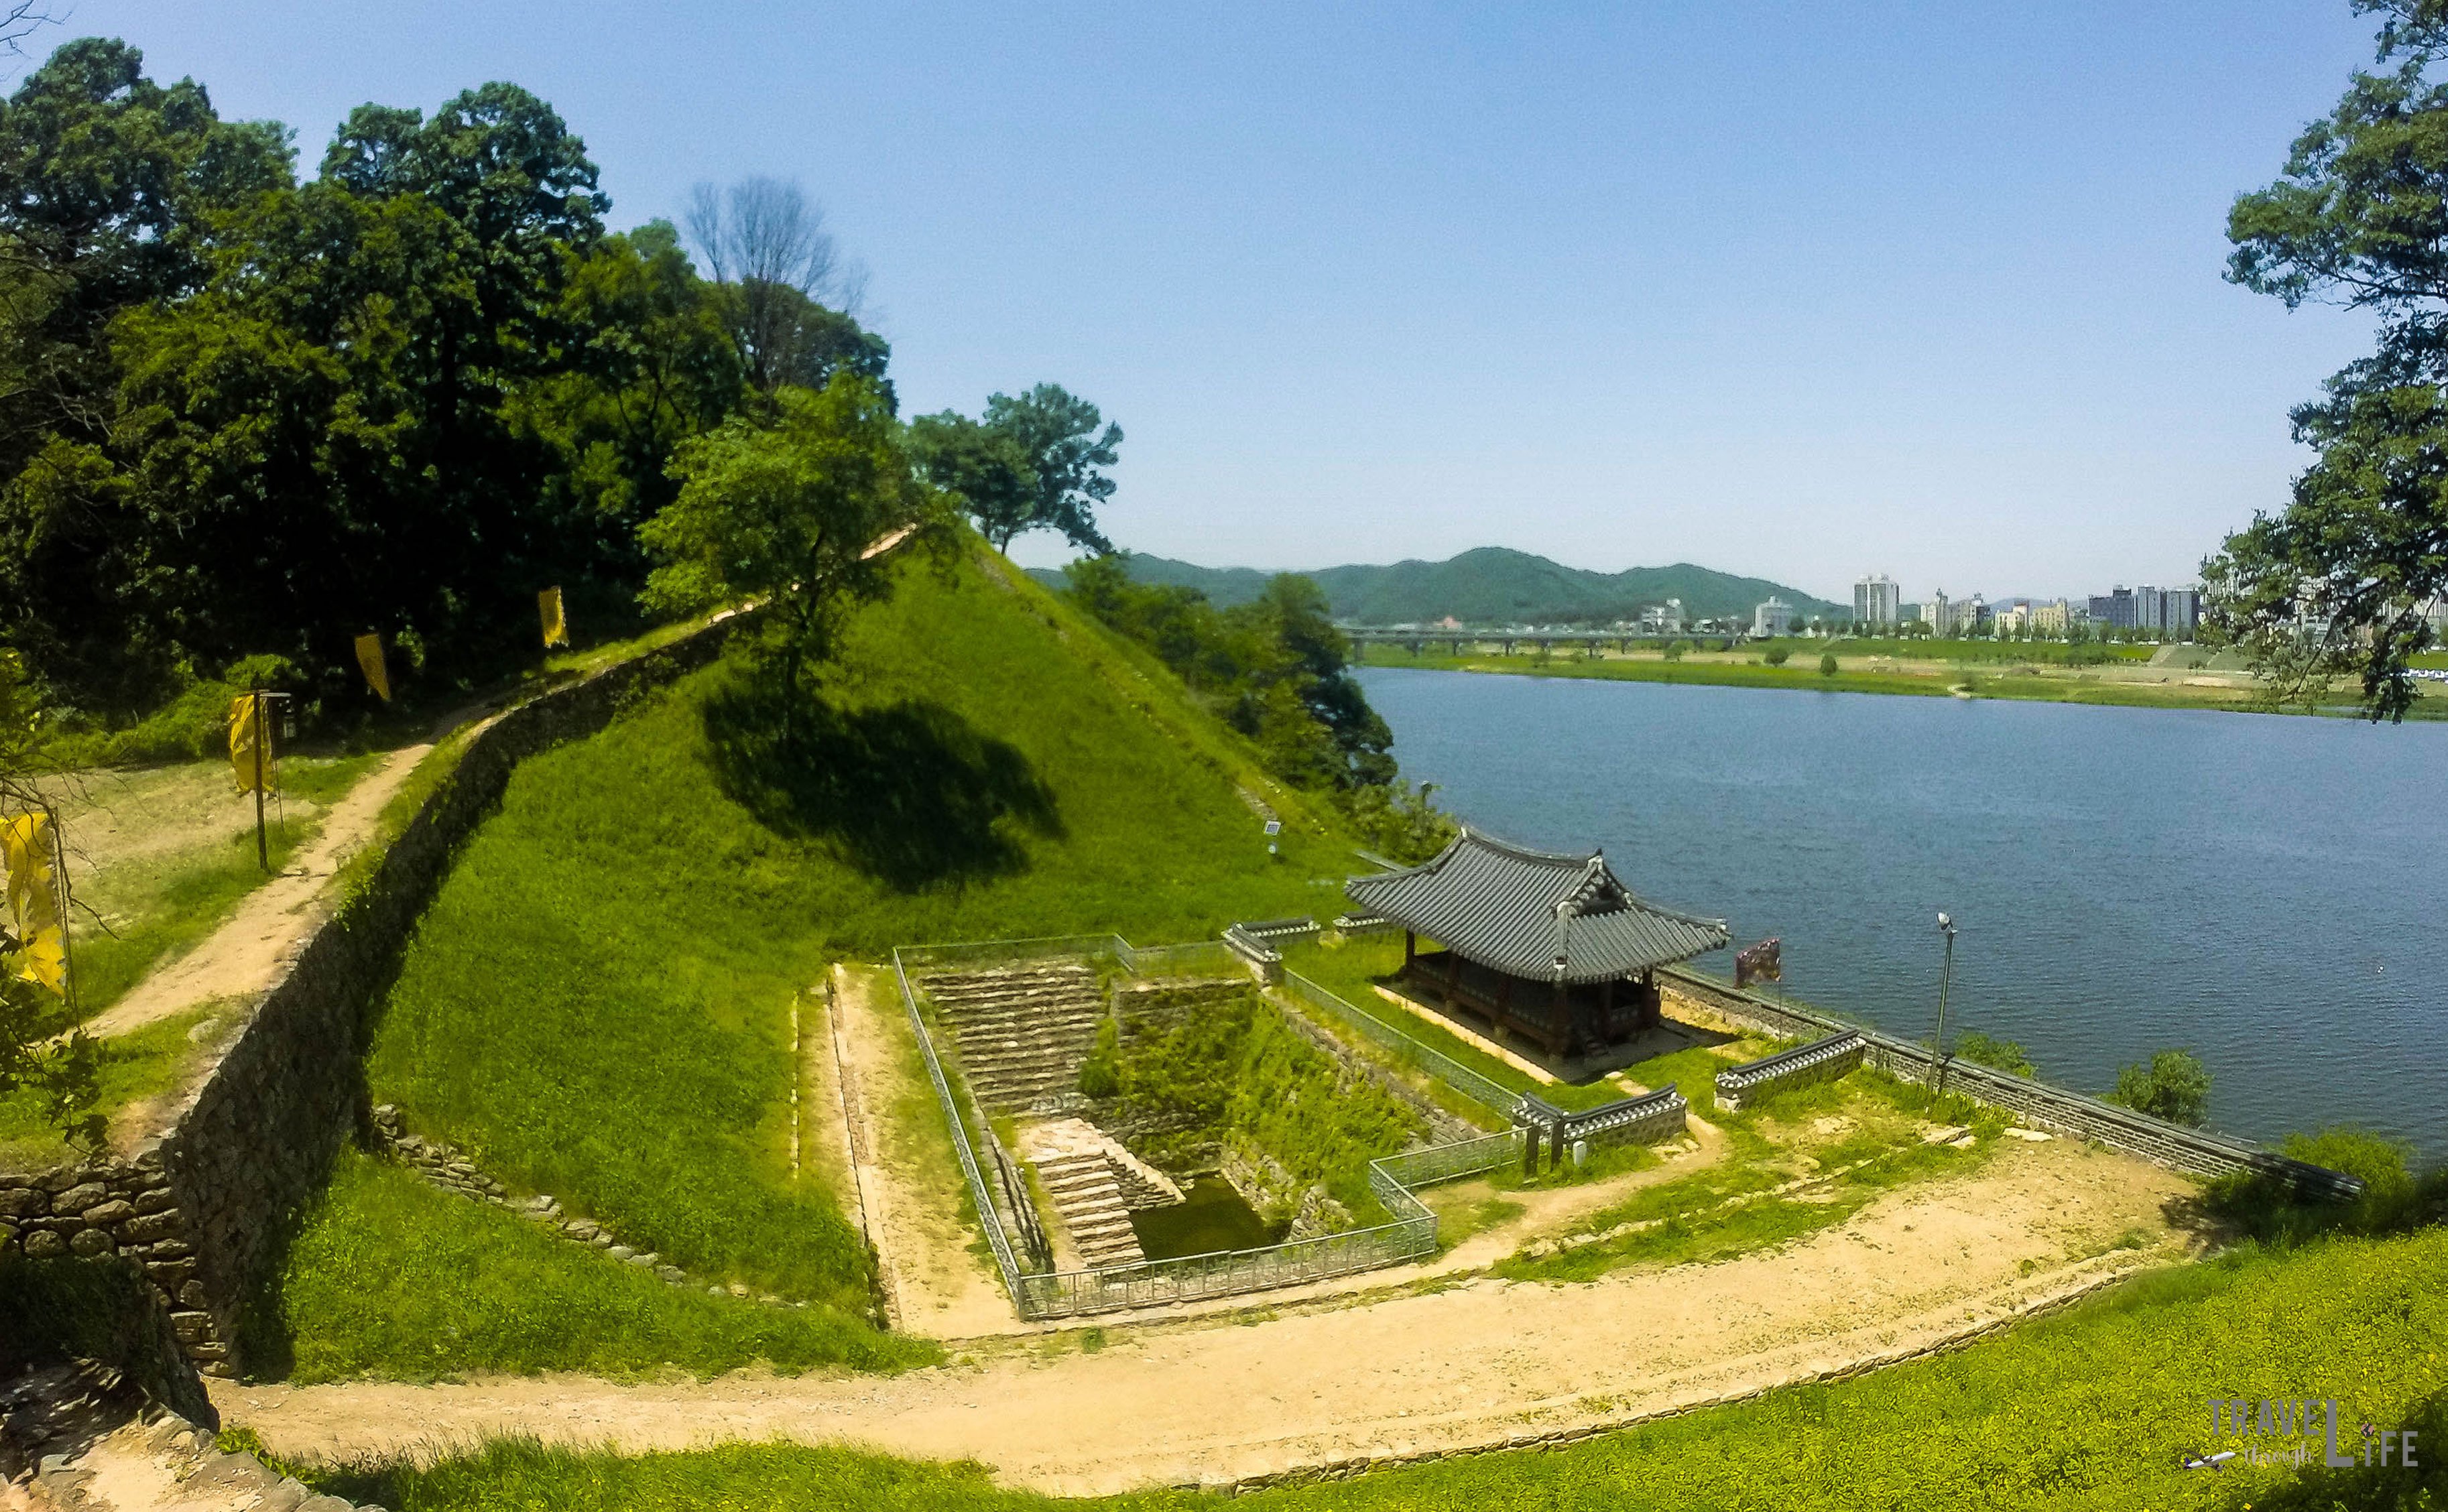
<point x="32" y="863"/>
<point x="369" y="658"/>
<point x="244" y="732"/>
<point x="556" y="630"/>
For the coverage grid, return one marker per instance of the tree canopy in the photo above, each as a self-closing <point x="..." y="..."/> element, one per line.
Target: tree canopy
<point x="242" y="414"/>
<point x="1033" y="463"/>
<point x="2340" y="581"/>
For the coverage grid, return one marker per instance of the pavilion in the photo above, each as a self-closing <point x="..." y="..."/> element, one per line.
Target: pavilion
<point x="1553" y="948"/>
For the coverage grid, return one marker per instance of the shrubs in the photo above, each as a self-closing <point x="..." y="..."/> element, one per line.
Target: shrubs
<point x="1827" y="664"/>
<point x="2175" y="1085"/>
<point x="2001" y="1055"/>
<point x="1775" y="656"/>
<point x="2267" y="1209"/>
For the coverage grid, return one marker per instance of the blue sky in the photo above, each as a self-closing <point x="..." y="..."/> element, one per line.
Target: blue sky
<point x="1796" y="291"/>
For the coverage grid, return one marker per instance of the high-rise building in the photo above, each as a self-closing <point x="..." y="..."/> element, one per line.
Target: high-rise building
<point x="1967" y="616"/>
<point x="2054" y="618"/>
<point x="2180" y="614"/>
<point x="2114" y="609"/>
<point x="1774" y="618"/>
<point x="2150" y="610"/>
<point x="1934" y="611"/>
<point x="1876" y="601"/>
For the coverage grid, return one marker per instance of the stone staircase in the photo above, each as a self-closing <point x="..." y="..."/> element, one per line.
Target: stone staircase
<point x="1089" y="1201"/>
<point x="1022" y="1030"/>
<point x="1095" y="1185"/>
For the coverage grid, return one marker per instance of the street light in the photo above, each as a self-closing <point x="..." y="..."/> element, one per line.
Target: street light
<point x="1946" y="979"/>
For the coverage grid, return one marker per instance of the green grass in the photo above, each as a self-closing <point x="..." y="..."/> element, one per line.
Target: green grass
<point x="389" y="1276"/>
<point x="596" y="1004"/>
<point x="2054" y="687"/>
<point x="165" y="908"/>
<point x="2089" y="1408"/>
<point x="134" y="1066"/>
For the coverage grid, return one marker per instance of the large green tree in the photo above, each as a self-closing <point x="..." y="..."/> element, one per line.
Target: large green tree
<point x="109" y="185"/>
<point x="2341" y="582"/>
<point x="800" y="510"/>
<point x="1035" y="463"/>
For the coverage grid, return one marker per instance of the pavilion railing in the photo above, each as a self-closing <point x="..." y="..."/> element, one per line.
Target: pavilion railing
<point x="1409" y="1233"/>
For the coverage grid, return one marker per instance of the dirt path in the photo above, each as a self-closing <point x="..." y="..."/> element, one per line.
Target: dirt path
<point x="243" y="957"/>
<point x="1479" y="1364"/>
<point x="906" y="1174"/>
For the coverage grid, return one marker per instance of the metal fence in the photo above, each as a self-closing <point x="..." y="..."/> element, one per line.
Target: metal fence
<point x="1410" y="1233"/>
<point x="1499" y="1099"/>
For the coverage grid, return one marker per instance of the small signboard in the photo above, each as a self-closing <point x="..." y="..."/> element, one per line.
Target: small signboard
<point x="1274" y="825"/>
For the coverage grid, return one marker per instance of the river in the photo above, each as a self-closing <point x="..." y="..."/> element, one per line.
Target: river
<point x="2268" y="892"/>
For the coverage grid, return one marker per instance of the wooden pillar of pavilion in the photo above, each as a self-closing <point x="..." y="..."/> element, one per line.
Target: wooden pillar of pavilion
<point x="1410" y="950"/>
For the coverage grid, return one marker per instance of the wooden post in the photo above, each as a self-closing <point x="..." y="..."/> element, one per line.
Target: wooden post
<point x="1411" y="950"/>
<point x="1529" y="1149"/>
<point x="1606" y="1005"/>
<point x="1555" y="1145"/>
<point x="1453" y="980"/>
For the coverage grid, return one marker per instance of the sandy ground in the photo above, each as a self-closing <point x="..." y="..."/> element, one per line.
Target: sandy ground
<point x="1478" y="1364"/>
<point x="244" y="956"/>
<point x="906" y="1174"/>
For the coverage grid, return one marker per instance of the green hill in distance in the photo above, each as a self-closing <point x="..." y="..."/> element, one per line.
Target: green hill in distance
<point x="1490" y="585"/>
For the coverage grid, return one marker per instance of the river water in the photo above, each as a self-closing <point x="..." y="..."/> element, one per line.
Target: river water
<point x="2269" y="892"/>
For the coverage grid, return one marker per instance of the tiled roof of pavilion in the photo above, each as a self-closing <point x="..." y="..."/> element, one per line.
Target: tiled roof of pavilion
<point x="1534" y="914"/>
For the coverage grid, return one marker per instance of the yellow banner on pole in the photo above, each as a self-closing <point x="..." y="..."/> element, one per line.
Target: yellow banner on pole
<point x="31" y="860"/>
<point x="370" y="659"/>
<point x="556" y="630"/>
<point x="248" y="763"/>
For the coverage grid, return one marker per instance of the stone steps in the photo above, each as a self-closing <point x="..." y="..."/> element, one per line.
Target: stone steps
<point x="1088" y="1201"/>
<point x="1021" y="1033"/>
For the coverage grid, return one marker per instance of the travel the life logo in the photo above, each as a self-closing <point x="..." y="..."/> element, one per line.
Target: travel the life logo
<point x="2311" y="1423"/>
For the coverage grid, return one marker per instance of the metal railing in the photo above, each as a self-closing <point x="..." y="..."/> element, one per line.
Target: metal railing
<point x="1411" y="1232"/>
<point x="1495" y="1098"/>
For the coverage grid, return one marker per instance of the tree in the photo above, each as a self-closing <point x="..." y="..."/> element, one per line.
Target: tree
<point x="988" y="468"/>
<point x="787" y="512"/>
<point x="766" y="244"/>
<point x="41" y="1045"/>
<point x="1776" y="655"/>
<point x="1057" y="433"/>
<point x="2175" y="1085"/>
<point x="1827" y="664"/>
<point x="2337" y="583"/>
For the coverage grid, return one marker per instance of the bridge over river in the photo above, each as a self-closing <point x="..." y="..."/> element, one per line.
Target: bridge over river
<point x="1417" y="638"/>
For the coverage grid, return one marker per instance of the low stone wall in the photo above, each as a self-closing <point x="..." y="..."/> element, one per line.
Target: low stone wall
<point x="201" y="1201"/>
<point x="2036" y="1102"/>
<point x="1819" y="1060"/>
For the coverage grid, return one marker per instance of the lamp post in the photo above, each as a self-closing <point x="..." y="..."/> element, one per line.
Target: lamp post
<point x="1945" y="980"/>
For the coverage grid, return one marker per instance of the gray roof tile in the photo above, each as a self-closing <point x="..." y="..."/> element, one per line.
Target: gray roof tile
<point x="1534" y="914"/>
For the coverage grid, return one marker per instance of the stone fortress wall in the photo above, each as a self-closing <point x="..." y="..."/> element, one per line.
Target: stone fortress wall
<point x="198" y="1201"/>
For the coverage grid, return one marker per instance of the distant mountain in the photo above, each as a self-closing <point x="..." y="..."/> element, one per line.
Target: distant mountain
<point x="1491" y="586"/>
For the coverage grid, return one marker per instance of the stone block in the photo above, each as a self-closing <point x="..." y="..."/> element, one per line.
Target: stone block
<point x="91" y="1242"/>
<point x="620" y="1251"/>
<point x="24" y="1202"/>
<point x="170" y="1249"/>
<point x="155" y="1200"/>
<point x="103" y="1214"/>
<point x="148" y="1227"/>
<point x="77" y="1198"/>
<point x="171" y="1274"/>
<point x="192" y="1294"/>
<point x="190" y="1326"/>
<point x="44" y="1245"/>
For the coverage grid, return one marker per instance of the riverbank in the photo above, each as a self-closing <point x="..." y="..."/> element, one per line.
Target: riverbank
<point x="2172" y="683"/>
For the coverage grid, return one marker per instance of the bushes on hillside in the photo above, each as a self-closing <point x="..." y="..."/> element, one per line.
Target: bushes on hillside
<point x="2174" y="1085"/>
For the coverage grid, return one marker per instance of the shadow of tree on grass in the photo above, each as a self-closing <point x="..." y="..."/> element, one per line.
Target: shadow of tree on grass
<point x="912" y="793"/>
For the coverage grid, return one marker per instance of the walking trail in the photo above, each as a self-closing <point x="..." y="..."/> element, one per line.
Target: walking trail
<point x="1477" y="1364"/>
<point x="243" y="957"/>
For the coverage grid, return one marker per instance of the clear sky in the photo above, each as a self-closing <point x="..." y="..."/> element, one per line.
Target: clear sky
<point x="1796" y="291"/>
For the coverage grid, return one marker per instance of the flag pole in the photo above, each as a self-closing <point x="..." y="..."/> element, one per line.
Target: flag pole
<point x="263" y="846"/>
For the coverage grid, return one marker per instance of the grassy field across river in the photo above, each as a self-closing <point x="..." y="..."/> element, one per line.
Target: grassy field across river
<point x="2139" y="676"/>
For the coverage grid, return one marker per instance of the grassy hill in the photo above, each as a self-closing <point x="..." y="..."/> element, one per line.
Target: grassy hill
<point x="1490" y="585"/>
<point x="598" y="1003"/>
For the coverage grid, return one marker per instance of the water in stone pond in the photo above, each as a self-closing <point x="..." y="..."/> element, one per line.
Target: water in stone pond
<point x="1214" y="1218"/>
